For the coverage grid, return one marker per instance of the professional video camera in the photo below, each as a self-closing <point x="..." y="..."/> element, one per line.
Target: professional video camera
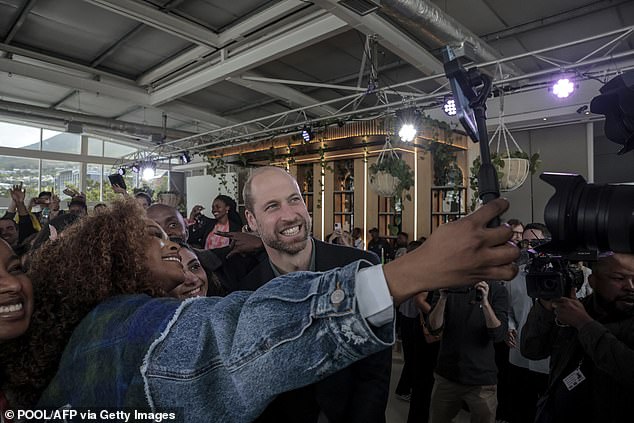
<point x="583" y="218"/>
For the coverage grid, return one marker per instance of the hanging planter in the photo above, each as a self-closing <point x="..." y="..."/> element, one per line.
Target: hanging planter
<point x="516" y="171"/>
<point x="390" y="175"/>
<point x="383" y="183"/>
<point x="171" y="199"/>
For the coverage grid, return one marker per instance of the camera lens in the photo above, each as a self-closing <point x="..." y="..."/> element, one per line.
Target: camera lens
<point x="592" y="216"/>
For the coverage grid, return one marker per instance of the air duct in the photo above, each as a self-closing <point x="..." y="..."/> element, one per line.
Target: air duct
<point x="72" y="121"/>
<point x="429" y="24"/>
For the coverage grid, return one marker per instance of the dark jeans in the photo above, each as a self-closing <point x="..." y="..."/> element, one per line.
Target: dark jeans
<point x="525" y="388"/>
<point x="408" y="327"/>
<point x="423" y="380"/>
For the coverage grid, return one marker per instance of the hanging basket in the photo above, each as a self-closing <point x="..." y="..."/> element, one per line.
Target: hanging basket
<point x="515" y="172"/>
<point x="383" y="184"/>
<point x="169" y="199"/>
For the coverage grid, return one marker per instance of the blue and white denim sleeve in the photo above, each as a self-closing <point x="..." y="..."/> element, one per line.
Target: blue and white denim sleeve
<point x="373" y="296"/>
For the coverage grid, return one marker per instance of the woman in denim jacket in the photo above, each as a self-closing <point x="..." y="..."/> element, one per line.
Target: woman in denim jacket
<point x="220" y="359"/>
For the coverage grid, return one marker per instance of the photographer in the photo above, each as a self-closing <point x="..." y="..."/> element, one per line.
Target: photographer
<point x="591" y="344"/>
<point x="470" y="321"/>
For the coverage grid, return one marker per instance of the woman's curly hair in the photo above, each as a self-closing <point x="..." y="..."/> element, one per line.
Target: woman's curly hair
<point x="99" y="257"/>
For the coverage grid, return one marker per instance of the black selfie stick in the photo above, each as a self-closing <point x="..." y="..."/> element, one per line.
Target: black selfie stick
<point x="475" y="88"/>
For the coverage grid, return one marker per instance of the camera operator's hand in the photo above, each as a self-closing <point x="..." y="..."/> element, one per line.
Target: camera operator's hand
<point x="571" y="312"/>
<point x="483" y="287"/>
<point x="511" y="338"/>
<point x="459" y="253"/>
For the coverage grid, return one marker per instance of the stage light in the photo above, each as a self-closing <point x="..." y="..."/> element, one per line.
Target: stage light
<point x="563" y="88"/>
<point x="136" y="167"/>
<point x="307" y="134"/>
<point x="450" y="106"/>
<point x="185" y="157"/>
<point x="407" y="132"/>
<point x="409" y="120"/>
<point x="148" y="171"/>
<point x="121" y="171"/>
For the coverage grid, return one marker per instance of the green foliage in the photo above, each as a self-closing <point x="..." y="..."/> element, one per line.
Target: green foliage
<point x="392" y="164"/>
<point x="498" y="163"/>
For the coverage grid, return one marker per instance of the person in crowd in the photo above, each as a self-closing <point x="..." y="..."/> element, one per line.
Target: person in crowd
<point x="143" y="199"/>
<point x="258" y="342"/>
<point x="357" y="239"/>
<point x="26" y="222"/>
<point x="16" y="308"/>
<point x="591" y="347"/>
<point x="339" y="237"/>
<point x="99" y="207"/>
<point x="379" y="246"/>
<point x="9" y="231"/>
<point x="203" y="232"/>
<point x="402" y="240"/>
<point x="531" y="375"/>
<point x="518" y="229"/>
<point x="53" y="230"/>
<point x="77" y="206"/>
<point x="470" y="321"/>
<point x="195" y="282"/>
<point x="275" y="209"/>
<point x="228" y="264"/>
<point x="16" y="296"/>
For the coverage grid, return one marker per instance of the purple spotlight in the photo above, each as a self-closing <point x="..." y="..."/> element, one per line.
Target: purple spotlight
<point x="563" y="88"/>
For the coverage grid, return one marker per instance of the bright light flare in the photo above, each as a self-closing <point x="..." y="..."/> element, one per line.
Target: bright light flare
<point x="563" y="88"/>
<point x="407" y="132"/>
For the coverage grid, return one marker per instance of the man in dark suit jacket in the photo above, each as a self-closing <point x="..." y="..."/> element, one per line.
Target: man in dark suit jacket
<point x="276" y="211"/>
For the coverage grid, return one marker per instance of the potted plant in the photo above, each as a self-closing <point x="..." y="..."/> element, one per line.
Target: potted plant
<point x="390" y="176"/>
<point x="512" y="169"/>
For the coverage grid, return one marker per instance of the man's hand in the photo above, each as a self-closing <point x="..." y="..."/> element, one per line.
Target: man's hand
<point x="571" y="312"/>
<point x="483" y="287"/>
<point x="242" y="243"/>
<point x="459" y="253"/>
<point x="195" y="212"/>
<point x="119" y="190"/>
<point x="511" y="338"/>
<point x="18" y="194"/>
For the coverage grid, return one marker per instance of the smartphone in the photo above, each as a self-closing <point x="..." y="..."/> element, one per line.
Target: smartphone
<point x="117" y="179"/>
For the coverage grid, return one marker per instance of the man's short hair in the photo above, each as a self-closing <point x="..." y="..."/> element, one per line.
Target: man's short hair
<point x="405" y="234"/>
<point x="145" y="196"/>
<point x="77" y="202"/>
<point x="247" y="191"/>
<point x="374" y="230"/>
<point x="514" y="222"/>
<point x="538" y="227"/>
<point x="15" y="225"/>
<point x="45" y="194"/>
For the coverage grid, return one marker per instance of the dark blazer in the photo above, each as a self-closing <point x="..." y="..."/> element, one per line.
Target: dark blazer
<point x="358" y="393"/>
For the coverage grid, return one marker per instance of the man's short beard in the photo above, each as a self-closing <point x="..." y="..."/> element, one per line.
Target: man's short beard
<point x="291" y="249"/>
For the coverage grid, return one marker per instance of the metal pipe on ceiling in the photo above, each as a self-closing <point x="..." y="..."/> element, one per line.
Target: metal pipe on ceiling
<point x="427" y="22"/>
<point x="18" y="109"/>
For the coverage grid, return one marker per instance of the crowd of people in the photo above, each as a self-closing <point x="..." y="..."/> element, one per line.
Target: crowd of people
<point x="135" y="305"/>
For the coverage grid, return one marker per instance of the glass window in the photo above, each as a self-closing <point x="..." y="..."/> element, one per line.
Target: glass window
<point x="157" y="184"/>
<point x="61" y="142"/>
<point x="16" y="170"/>
<point x="57" y="175"/>
<point x="111" y="149"/>
<point x="18" y="136"/>
<point x="108" y="193"/>
<point x="95" y="147"/>
<point x="94" y="177"/>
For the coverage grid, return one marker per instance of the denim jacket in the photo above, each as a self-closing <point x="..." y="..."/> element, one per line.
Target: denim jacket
<point x="220" y="359"/>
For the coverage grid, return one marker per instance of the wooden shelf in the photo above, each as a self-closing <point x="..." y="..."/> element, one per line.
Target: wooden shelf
<point x="448" y="203"/>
